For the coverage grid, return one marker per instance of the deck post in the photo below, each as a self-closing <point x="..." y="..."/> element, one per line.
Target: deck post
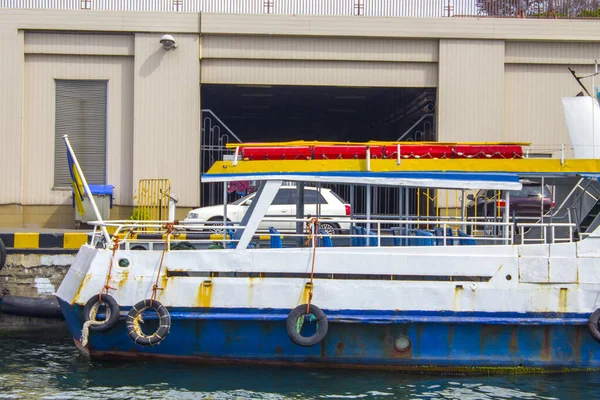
<point x="368" y="187"/>
<point x="299" y="213"/>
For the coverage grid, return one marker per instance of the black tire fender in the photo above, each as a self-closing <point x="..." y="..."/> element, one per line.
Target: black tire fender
<point x="134" y="330"/>
<point x="593" y="324"/>
<point x="294" y="326"/>
<point x="2" y="254"/>
<point x="112" y="310"/>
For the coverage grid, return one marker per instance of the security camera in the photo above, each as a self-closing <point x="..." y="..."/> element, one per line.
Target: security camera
<point x="168" y="42"/>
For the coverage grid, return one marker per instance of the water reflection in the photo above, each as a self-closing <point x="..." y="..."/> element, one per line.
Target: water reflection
<point x="54" y="370"/>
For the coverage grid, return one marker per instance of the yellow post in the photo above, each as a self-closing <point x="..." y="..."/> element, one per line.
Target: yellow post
<point x="153" y="199"/>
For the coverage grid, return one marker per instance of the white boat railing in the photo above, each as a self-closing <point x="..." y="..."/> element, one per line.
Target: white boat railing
<point x="381" y="232"/>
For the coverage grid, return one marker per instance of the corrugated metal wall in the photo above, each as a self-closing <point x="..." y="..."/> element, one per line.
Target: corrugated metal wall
<point x="11" y="113"/>
<point x="480" y="97"/>
<point x="315" y="73"/>
<point x="471" y="89"/>
<point x="167" y="114"/>
<point x="320" y="48"/>
<point x="532" y="102"/>
<point x="567" y="53"/>
<point x="319" y="61"/>
<point x="536" y="78"/>
<point x="39" y="107"/>
<point x="79" y="43"/>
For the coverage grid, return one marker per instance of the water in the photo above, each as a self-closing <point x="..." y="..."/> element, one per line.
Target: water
<point x="53" y="369"/>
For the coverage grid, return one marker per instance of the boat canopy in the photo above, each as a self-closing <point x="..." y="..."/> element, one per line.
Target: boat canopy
<point x="445" y="166"/>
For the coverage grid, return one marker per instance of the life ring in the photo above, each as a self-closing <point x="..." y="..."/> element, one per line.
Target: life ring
<point x="112" y="312"/>
<point x="296" y="319"/>
<point x="593" y="324"/>
<point x="134" y="317"/>
<point x="2" y="254"/>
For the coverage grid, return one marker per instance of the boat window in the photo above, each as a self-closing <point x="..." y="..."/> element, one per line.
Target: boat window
<point x="311" y="196"/>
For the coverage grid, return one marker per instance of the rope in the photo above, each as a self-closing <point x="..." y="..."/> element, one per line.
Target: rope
<point x="314" y="225"/>
<point x="112" y="258"/>
<point x="169" y="227"/>
<point x="85" y="331"/>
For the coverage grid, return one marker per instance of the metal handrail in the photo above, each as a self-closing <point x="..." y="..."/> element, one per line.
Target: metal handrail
<point x="379" y="233"/>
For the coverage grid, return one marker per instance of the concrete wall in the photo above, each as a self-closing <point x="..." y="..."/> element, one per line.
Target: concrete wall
<point x="497" y="80"/>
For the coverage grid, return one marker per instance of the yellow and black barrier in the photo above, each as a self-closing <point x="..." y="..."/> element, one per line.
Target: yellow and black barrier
<point x="74" y="240"/>
<point x="36" y="240"/>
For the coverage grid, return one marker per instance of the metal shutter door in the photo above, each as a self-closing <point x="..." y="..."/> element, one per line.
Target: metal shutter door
<point x="81" y="113"/>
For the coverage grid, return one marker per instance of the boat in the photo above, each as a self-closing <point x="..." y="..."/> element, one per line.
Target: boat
<point x="494" y="293"/>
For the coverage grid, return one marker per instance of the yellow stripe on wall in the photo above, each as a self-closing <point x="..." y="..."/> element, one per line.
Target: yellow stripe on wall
<point x="74" y="240"/>
<point x="27" y="240"/>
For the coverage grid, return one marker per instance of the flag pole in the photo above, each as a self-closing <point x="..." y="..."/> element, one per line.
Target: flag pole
<point x="87" y="190"/>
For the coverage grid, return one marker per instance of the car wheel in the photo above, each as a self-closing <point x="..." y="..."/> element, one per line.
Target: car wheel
<point x="330" y="228"/>
<point x="216" y="228"/>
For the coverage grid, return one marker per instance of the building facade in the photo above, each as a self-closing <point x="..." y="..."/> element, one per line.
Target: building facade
<point x="106" y="72"/>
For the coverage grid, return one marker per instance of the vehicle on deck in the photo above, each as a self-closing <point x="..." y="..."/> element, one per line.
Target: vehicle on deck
<point x="281" y="211"/>
<point x="532" y="200"/>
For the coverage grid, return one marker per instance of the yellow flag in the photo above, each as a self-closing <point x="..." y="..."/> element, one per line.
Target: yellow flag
<point x="78" y="189"/>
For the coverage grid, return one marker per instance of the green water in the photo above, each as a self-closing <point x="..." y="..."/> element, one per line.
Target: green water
<point x="53" y="369"/>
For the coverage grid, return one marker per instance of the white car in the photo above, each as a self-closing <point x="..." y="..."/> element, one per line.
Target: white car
<point x="283" y="206"/>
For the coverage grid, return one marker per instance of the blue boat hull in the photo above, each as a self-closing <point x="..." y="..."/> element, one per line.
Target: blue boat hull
<point x="448" y="342"/>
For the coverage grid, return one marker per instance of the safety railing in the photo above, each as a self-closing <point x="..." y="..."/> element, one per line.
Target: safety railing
<point x="376" y="8"/>
<point x="361" y="233"/>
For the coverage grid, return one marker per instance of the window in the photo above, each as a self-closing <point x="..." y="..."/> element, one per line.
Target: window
<point x="284" y="196"/>
<point x="311" y="196"/>
<point x="81" y="112"/>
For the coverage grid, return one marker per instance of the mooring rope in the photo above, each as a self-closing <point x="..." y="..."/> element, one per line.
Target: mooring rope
<point x="313" y="236"/>
<point x="169" y="228"/>
<point x="85" y="330"/>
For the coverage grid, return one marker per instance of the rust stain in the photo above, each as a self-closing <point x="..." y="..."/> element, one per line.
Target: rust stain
<point x="203" y="299"/>
<point x="84" y="283"/>
<point x="123" y="278"/>
<point x="278" y="349"/>
<point x="163" y="281"/>
<point x="339" y="349"/>
<point x="305" y="292"/>
<point x="483" y="337"/>
<point x="205" y="358"/>
<point x="577" y="343"/>
<point x="250" y="290"/>
<point x="545" y="354"/>
<point x="513" y="346"/>
<point x="562" y="299"/>
<point x="458" y="290"/>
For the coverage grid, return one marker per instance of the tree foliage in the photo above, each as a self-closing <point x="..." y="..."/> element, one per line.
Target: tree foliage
<point x="533" y="8"/>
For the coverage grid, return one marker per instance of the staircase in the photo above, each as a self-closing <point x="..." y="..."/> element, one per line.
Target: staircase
<point x="591" y="220"/>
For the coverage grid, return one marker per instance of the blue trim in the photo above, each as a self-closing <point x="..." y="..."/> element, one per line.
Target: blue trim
<point x="379" y="317"/>
<point x="449" y="175"/>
